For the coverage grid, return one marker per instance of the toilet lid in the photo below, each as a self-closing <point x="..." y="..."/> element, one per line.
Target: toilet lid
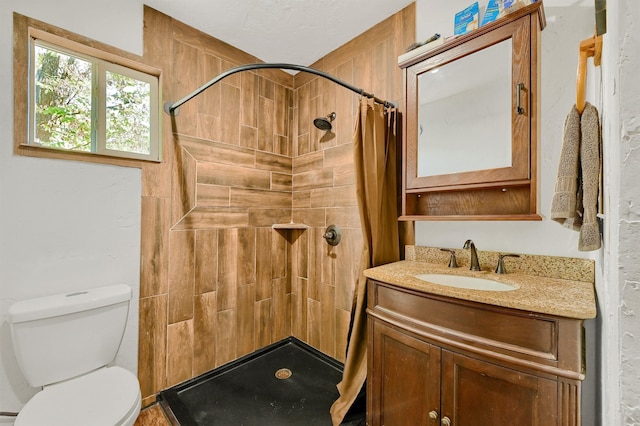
<point x="103" y="397"/>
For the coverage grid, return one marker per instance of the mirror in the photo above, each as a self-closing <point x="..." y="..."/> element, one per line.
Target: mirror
<point x="464" y="113"/>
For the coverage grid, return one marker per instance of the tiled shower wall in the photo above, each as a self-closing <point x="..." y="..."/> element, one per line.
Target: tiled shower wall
<point x="217" y="282"/>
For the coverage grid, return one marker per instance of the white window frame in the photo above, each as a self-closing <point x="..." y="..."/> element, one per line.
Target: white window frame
<point x="100" y="66"/>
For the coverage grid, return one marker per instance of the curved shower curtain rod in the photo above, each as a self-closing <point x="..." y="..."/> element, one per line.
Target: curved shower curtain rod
<point x="171" y="108"/>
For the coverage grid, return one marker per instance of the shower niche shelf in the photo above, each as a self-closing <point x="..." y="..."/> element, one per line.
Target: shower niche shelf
<point x="289" y="226"/>
<point x="471" y="123"/>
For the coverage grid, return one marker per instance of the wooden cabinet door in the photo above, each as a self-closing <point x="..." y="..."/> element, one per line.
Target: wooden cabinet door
<point x="404" y="379"/>
<point x="477" y="393"/>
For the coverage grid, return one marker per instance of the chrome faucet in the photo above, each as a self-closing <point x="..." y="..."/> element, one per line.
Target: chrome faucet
<point x="475" y="265"/>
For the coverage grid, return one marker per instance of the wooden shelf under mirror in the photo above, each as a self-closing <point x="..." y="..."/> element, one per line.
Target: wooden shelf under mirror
<point x="471" y="124"/>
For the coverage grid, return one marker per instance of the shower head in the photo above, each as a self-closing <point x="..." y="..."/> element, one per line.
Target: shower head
<point x="324" y="123"/>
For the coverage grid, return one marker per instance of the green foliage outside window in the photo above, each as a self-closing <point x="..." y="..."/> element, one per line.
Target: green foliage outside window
<point x="63" y="101"/>
<point x="70" y="100"/>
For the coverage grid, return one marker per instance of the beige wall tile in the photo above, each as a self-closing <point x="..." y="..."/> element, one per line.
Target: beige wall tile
<point x="249" y="137"/>
<point x="340" y="196"/>
<point x="266" y="113"/>
<point x="300" y="253"/>
<point x="206" y="261"/>
<point x="279" y="260"/>
<point x="245" y="198"/>
<point x="186" y="64"/>
<point x="263" y="263"/>
<point x="242" y="177"/>
<point x="246" y="319"/>
<point x="303" y="116"/>
<point x="212" y="195"/>
<point x="260" y="217"/>
<point x="152" y="344"/>
<point x="312" y="180"/>
<point x="217" y="152"/>
<point x="154" y="265"/>
<point x="209" y="100"/>
<point x="302" y="144"/>
<point x="273" y="162"/>
<point x="344" y="217"/>
<point x="308" y="162"/>
<point x="227" y="268"/>
<point x="181" y="275"/>
<point x="314" y="323"/>
<point x="311" y="217"/>
<point x="226" y="337"/>
<point x="204" y="332"/>
<point x="327" y="320"/>
<point x="344" y="175"/>
<point x="183" y="196"/>
<point x="246" y="263"/>
<point x="281" y="309"/>
<point x="267" y="89"/>
<point x="248" y="107"/>
<point x="210" y="218"/>
<point x="281" y="118"/>
<point x="299" y="307"/>
<point x="282" y="182"/>
<point x="301" y="199"/>
<point x="209" y="127"/>
<point x="230" y="114"/>
<point x="263" y="323"/>
<point x="179" y="352"/>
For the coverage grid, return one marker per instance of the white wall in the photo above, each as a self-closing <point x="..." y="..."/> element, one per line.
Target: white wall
<point x="622" y="94"/>
<point x="64" y="225"/>
<point x="613" y="355"/>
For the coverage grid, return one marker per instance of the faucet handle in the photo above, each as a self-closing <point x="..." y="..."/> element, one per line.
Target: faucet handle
<point x="453" y="263"/>
<point x="500" y="269"/>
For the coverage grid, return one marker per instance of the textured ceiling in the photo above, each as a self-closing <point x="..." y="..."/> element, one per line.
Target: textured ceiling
<point x="291" y="31"/>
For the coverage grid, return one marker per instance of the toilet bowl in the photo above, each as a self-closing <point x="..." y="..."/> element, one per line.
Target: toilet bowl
<point x="108" y="396"/>
<point x="64" y="344"/>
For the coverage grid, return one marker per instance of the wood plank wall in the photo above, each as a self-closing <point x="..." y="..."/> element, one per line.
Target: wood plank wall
<point x="217" y="282"/>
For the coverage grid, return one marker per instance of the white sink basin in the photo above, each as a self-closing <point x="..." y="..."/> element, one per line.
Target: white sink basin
<point x="461" y="281"/>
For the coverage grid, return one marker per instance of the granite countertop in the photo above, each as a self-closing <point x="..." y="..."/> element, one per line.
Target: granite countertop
<point x="554" y="296"/>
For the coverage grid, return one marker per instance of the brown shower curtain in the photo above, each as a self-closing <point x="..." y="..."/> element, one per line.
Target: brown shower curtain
<point x="374" y="148"/>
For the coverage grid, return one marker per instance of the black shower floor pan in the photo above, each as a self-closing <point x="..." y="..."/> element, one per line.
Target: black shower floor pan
<point x="288" y="383"/>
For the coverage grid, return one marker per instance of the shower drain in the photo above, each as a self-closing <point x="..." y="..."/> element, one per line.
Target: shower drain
<point x="283" y="373"/>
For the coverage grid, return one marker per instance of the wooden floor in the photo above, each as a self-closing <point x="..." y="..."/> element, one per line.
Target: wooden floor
<point x="152" y="416"/>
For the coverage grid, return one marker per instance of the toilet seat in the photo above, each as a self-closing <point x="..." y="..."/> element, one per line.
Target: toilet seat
<point x="107" y="396"/>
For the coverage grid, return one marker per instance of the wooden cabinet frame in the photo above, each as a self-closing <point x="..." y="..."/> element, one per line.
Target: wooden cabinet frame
<point x="432" y="357"/>
<point x="507" y="193"/>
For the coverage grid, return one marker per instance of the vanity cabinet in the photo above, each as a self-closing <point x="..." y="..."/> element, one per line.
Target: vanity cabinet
<point x="471" y="124"/>
<point x="435" y="360"/>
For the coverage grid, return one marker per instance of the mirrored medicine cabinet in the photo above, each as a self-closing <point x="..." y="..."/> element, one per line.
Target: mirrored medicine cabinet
<point x="471" y="124"/>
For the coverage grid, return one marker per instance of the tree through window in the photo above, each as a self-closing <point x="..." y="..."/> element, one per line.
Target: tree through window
<point x="86" y="104"/>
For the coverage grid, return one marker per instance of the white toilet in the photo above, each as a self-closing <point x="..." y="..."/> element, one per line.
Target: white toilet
<point x="64" y="343"/>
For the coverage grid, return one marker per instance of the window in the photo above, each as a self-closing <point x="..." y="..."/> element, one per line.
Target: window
<point x="78" y="102"/>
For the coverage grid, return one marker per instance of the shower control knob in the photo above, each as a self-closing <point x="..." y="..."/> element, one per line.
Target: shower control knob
<point x="332" y="235"/>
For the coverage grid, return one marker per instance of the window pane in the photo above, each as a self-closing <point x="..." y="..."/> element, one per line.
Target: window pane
<point x="128" y="114"/>
<point x="62" y="100"/>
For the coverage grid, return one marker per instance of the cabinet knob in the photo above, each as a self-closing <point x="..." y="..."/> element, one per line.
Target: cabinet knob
<point x="433" y="415"/>
<point x="446" y="421"/>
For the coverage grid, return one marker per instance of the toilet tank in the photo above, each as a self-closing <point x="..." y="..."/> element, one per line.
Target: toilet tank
<point x="63" y="336"/>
